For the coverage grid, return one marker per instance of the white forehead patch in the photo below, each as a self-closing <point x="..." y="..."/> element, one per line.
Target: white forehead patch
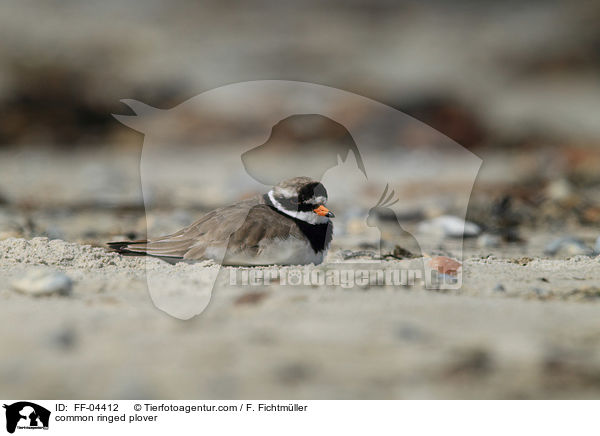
<point x="289" y="193"/>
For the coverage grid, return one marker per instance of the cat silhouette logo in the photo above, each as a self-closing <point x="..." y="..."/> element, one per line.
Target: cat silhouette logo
<point x="26" y="415"/>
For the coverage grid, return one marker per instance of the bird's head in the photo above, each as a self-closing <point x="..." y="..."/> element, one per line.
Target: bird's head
<point x="302" y="198"/>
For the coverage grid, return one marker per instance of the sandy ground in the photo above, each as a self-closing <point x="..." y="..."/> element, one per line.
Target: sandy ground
<point x="536" y="336"/>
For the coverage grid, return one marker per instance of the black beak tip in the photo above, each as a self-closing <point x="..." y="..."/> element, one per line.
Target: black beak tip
<point x="330" y="215"/>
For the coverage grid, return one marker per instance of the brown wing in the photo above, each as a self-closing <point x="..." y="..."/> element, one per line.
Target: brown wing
<point x="212" y="231"/>
<point x="262" y="224"/>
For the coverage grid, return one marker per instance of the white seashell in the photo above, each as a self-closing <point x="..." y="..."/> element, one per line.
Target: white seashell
<point x="449" y="226"/>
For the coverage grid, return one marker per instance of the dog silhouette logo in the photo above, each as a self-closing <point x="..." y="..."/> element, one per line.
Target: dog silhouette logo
<point x="292" y="141"/>
<point x="26" y="415"/>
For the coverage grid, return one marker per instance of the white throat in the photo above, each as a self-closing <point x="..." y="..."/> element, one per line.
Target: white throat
<point x="309" y="217"/>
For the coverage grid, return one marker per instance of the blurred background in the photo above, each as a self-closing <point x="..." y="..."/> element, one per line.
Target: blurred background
<point x="514" y="82"/>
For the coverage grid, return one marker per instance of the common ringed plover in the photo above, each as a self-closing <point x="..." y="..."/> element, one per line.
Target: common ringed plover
<point x="289" y="225"/>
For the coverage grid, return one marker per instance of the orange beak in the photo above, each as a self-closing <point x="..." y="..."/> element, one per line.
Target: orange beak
<point x="323" y="211"/>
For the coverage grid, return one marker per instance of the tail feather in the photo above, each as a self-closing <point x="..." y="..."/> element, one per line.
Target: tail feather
<point x="124" y="247"/>
<point x="161" y="249"/>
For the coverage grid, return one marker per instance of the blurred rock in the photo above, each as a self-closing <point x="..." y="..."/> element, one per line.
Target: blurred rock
<point x="410" y="333"/>
<point x="293" y="373"/>
<point x="541" y="293"/>
<point x="568" y="246"/>
<point x="12" y="224"/>
<point x="43" y="281"/>
<point x="473" y="361"/>
<point x="590" y="215"/>
<point x="64" y="339"/>
<point x="489" y="241"/>
<point x="250" y="298"/>
<point x="559" y="190"/>
<point x="499" y="288"/>
<point x="588" y="293"/>
<point x="449" y="226"/>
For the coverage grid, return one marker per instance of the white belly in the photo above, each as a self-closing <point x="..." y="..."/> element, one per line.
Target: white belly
<point x="290" y="251"/>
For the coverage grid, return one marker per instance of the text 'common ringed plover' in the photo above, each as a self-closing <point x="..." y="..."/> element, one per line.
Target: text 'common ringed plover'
<point x="289" y="225"/>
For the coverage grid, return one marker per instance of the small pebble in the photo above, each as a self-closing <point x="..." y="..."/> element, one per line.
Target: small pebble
<point x="43" y="281"/>
<point x="250" y="298"/>
<point x="409" y="333"/>
<point x="64" y="338"/>
<point x="542" y="293"/>
<point x="449" y="226"/>
<point x="499" y="288"/>
<point x="445" y="265"/>
<point x="568" y="246"/>
<point x="559" y="190"/>
<point x="597" y="246"/>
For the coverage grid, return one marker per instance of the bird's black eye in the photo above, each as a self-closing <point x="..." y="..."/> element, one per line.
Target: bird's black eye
<point x="311" y="191"/>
